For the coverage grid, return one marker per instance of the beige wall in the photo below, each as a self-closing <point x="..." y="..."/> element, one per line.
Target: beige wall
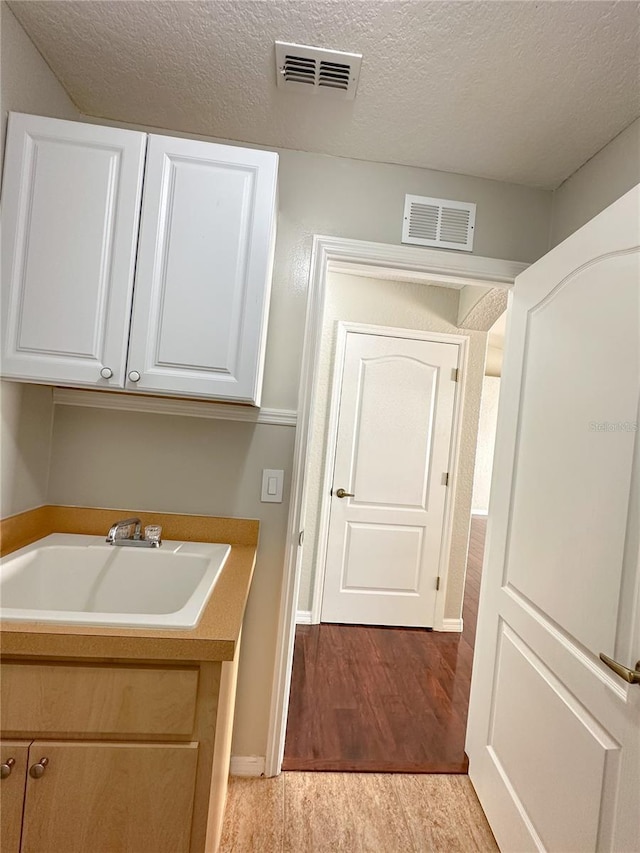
<point x="493" y="366"/>
<point x="408" y="306"/>
<point x="486" y="443"/>
<point x="26" y="413"/>
<point x="609" y="174"/>
<point x="26" y="85"/>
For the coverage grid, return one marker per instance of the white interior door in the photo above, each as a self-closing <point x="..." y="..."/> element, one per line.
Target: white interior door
<point x="391" y="459"/>
<point x="554" y="735"/>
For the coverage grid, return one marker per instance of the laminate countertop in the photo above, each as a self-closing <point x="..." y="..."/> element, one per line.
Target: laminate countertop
<point x="214" y="638"/>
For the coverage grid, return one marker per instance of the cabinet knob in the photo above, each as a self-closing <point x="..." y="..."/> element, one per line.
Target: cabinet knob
<point x="37" y="770"/>
<point x="7" y="767"/>
<point x="106" y="373"/>
<point x="134" y="376"/>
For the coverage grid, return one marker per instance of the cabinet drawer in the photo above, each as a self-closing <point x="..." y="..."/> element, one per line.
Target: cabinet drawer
<point x="65" y="699"/>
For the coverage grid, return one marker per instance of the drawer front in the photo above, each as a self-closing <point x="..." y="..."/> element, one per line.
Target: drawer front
<point x="69" y="699"/>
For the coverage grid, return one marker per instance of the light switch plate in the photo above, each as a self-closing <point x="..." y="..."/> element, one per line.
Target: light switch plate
<point x="272" y="485"/>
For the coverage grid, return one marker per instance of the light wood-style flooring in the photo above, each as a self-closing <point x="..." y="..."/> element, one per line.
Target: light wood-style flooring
<point x="354" y="813"/>
<point x="374" y="699"/>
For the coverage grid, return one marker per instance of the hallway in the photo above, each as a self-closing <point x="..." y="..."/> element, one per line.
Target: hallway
<point x="373" y="699"/>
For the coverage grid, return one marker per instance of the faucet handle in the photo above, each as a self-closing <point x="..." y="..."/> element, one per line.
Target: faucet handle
<point x="152" y="534"/>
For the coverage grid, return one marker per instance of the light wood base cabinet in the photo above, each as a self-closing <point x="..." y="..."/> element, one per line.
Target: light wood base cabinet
<point x="151" y="780"/>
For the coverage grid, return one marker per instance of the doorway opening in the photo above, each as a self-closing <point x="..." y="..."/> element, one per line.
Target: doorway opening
<point x="347" y="274"/>
<point x="371" y="691"/>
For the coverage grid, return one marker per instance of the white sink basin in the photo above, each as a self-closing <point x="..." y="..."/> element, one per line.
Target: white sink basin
<point x="75" y="579"/>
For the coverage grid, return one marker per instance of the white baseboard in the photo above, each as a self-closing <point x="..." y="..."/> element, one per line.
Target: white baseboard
<point x="303" y="617"/>
<point x="454" y="625"/>
<point x="247" y="765"/>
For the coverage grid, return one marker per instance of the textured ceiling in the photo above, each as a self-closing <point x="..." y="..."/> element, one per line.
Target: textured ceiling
<point x="517" y="91"/>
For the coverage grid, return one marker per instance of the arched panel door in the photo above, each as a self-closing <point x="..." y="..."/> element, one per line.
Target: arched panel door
<point x="554" y="734"/>
<point x="391" y="458"/>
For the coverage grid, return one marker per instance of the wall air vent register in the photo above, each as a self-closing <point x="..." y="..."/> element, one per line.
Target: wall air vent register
<point x="314" y="70"/>
<point x="438" y="222"/>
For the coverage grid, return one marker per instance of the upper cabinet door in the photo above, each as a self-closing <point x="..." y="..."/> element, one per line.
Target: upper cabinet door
<point x="204" y="268"/>
<point x="70" y="214"/>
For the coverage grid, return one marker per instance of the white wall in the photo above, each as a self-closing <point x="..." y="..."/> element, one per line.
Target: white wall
<point x="609" y="174"/>
<point x="408" y="306"/>
<point x="26" y="85"/>
<point x="486" y="443"/>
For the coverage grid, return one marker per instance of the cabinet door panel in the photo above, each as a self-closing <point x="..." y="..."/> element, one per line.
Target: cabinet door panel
<point x="204" y="259"/>
<point x="110" y="798"/>
<point x="12" y="793"/>
<point x="70" y="219"/>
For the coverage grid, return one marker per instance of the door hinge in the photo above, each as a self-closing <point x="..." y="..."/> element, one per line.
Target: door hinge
<point x="438" y="583"/>
<point x="445" y="479"/>
<point x="455" y="374"/>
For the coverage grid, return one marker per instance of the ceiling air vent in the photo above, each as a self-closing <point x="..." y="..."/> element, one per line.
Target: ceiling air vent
<point x="315" y="70"/>
<point x="438" y="222"/>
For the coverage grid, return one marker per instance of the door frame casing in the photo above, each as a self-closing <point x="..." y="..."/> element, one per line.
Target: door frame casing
<point x="462" y="342"/>
<point x="432" y="266"/>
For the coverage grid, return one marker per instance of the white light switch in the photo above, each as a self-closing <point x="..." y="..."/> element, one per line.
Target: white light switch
<point x="272" y="484"/>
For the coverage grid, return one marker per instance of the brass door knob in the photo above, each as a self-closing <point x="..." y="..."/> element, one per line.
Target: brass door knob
<point x="340" y="493"/>
<point x="37" y="770"/>
<point x="632" y="676"/>
<point x="6" y="767"/>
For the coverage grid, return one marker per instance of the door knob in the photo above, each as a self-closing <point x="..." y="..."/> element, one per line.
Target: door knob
<point x="134" y="376"/>
<point x="340" y="493"/>
<point x="106" y="373"/>
<point x="630" y="675"/>
<point x="6" y="767"/>
<point x="37" y="770"/>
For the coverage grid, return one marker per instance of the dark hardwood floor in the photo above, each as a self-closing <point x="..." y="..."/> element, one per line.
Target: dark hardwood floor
<point x="390" y="700"/>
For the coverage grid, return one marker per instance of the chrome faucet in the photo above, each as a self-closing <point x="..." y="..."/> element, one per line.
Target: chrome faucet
<point x="114" y="537"/>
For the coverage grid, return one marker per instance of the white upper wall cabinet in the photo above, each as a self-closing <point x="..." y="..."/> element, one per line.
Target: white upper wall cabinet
<point x="70" y="210"/>
<point x="201" y="296"/>
<point x="195" y="323"/>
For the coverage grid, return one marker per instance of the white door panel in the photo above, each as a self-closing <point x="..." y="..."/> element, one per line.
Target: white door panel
<point x="205" y="242"/>
<point x="540" y="732"/>
<point x="371" y="548"/>
<point x="66" y="312"/>
<point x="579" y="388"/>
<point x="554" y="736"/>
<point x="392" y="451"/>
